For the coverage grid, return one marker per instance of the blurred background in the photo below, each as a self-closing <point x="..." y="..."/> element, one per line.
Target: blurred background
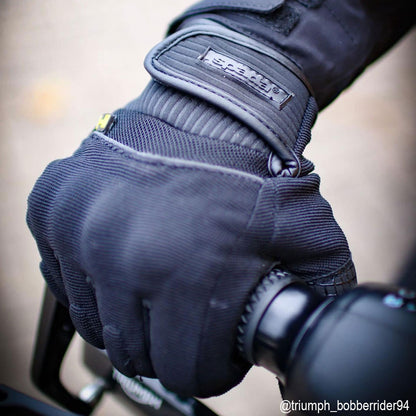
<point x="64" y="63"/>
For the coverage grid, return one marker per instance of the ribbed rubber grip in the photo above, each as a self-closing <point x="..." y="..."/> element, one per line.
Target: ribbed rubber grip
<point x="256" y="306"/>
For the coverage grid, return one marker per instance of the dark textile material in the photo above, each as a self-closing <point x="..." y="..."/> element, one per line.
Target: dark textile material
<point x="332" y="41"/>
<point x="195" y="116"/>
<point x="156" y="256"/>
<point x="147" y="134"/>
<point x="154" y="236"/>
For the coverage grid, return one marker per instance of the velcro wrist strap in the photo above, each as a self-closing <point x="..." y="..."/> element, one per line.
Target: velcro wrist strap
<point x="207" y="6"/>
<point x="249" y="80"/>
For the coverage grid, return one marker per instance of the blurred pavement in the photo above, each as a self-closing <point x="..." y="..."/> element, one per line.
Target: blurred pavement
<point x="62" y="64"/>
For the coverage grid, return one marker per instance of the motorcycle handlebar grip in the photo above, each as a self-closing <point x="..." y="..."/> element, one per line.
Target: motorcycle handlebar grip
<point x="359" y="346"/>
<point x="273" y="318"/>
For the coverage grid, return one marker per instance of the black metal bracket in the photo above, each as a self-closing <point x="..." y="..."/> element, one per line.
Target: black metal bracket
<point x="55" y="332"/>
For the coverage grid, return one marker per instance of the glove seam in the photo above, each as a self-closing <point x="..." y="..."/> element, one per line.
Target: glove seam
<point x="196" y="136"/>
<point x="304" y="133"/>
<point x="158" y="160"/>
<point x="336" y="283"/>
<point x="346" y="267"/>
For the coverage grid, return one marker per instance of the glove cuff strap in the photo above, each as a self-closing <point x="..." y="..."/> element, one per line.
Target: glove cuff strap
<point x="249" y="80"/>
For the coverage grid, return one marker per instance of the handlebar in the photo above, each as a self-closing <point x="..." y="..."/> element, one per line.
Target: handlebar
<point x="359" y="346"/>
<point x="268" y="328"/>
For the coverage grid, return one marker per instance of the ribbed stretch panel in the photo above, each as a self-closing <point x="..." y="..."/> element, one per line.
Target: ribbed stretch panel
<point x="195" y="116"/>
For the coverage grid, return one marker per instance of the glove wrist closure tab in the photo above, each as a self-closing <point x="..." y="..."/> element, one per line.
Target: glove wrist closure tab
<point x="249" y="80"/>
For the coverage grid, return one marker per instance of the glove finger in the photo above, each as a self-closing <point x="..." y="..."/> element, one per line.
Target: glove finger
<point x="39" y="203"/>
<point x="51" y="272"/>
<point x="82" y="304"/>
<point x="126" y="330"/>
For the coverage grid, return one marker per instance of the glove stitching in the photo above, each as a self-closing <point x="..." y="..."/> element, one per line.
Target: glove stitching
<point x="348" y="266"/>
<point x="234" y="145"/>
<point x="304" y="132"/>
<point x="155" y="160"/>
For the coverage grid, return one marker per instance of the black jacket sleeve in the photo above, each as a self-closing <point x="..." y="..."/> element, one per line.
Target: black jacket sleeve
<point x="331" y="41"/>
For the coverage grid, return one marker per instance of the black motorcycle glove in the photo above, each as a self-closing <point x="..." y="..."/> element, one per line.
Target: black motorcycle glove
<point x="155" y="231"/>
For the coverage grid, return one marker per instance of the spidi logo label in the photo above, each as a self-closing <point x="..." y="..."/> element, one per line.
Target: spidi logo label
<point x="247" y="76"/>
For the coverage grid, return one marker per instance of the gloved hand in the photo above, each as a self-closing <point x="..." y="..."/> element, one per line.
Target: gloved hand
<point x="155" y="231"/>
